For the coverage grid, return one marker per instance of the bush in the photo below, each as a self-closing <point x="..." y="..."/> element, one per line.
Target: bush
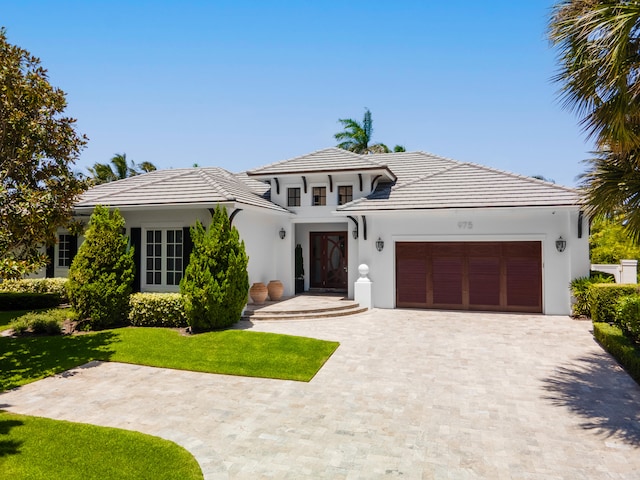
<point x="622" y="348"/>
<point x="580" y="290"/>
<point x="28" y="301"/>
<point x="628" y="316"/>
<point x="101" y="274"/>
<point x="603" y="298"/>
<point x="37" y="285"/>
<point x="216" y="283"/>
<point x="157" y="310"/>
<point x="43" y="323"/>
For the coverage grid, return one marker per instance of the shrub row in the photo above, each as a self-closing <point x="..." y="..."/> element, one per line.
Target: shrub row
<point x="47" y="323"/>
<point x="157" y="310"/>
<point x="603" y="298"/>
<point x="28" y="301"/>
<point x="37" y="285"/>
<point x="580" y="290"/>
<point x="622" y="348"/>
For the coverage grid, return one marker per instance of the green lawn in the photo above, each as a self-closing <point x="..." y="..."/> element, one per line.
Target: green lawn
<point x="39" y="448"/>
<point x="7" y="317"/>
<point x="234" y="352"/>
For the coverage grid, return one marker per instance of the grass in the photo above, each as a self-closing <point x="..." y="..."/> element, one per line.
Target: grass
<point x="233" y="352"/>
<point x="7" y="317"/>
<point x="39" y="448"/>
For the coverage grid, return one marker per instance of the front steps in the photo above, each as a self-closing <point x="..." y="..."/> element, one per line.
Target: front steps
<point x="303" y="307"/>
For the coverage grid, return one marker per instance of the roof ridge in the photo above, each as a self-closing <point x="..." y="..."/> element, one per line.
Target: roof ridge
<point x="520" y="176"/>
<point x="153" y="173"/>
<point x="215" y="184"/>
<point x="328" y="149"/>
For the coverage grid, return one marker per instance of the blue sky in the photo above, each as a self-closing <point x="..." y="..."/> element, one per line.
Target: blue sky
<point x="240" y="84"/>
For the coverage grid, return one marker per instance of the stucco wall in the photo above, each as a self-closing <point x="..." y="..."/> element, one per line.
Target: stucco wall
<point x="543" y="225"/>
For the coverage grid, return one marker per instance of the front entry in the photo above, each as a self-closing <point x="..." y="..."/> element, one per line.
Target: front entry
<point x="329" y="260"/>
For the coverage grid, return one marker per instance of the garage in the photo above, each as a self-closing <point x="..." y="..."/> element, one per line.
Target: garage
<point x="499" y="276"/>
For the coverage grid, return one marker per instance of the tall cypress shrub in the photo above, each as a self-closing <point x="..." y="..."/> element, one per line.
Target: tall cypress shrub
<point x="101" y="274"/>
<point x="215" y="283"/>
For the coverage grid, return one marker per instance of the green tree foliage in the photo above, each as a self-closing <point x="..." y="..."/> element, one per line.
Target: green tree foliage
<point x="609" y="242"/>
<point x="38" y="147"/>
<point x="216" y="283"/>
<point x="356" y="137"/>
<point x="101" y="274"/>
<point x="118" y="169"/>
<point x="599" y="56"/>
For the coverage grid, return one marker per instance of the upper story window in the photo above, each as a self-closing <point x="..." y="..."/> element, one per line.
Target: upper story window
<point x="65" y="255"/>
<point x="293" y="197"/>
<point x="319" y="196"/>
<point x="345" y="194"/>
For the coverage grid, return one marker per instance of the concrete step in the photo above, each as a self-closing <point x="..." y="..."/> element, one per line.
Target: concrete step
<point x="338" y="311"/>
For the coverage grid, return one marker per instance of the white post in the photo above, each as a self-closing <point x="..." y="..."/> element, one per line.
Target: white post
<point x="363" y="287"/>
<point x="628" y="271"/>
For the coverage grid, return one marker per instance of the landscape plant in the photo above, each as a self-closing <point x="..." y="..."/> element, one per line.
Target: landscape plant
<point x="38" y="147"/>
<point x="157" y="310"/>
<point x="101" y="274"/>
<point x="216" y="283"/>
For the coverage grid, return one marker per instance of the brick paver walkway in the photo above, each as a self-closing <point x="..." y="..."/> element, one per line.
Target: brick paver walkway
<point x="411" y="394"/>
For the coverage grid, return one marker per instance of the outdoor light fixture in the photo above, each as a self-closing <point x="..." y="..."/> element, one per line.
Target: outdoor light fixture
<point x="354" y="232"/>
<point x="379" y="244"/>
<point x="561" y="244"/>
<point x="282" y="233"/>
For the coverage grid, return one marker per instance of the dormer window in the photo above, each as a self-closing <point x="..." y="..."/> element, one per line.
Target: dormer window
<point x="293" y="197"/>
<point x="345" y="194"/>
<point x="319" y="196"/>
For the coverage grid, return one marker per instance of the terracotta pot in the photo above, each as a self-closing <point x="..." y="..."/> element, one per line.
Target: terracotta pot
<point x="258" y="292"/>
<point x="275" y="289"/>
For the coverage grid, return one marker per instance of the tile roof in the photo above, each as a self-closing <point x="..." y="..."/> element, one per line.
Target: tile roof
<point x="181" y="186"/>
<point x="328" y="160"/>
<point x="426" y="181"/>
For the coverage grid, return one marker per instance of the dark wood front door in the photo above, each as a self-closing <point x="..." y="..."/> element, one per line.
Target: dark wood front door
<point x="329" y="260"/>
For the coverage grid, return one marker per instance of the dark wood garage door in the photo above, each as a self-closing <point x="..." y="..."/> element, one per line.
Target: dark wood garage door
<point x="502" y="276"/>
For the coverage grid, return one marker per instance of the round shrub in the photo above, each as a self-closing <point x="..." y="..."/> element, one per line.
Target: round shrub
<point x="157" y="310"/>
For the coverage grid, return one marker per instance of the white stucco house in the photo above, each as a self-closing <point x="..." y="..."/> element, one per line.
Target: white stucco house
<point x="435" y="233"/>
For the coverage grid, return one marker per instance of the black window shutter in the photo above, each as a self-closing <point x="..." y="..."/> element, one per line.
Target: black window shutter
<point x="187" y="247"/>
<point x="51" y="256"/>
<point x="73" y="247"/>
<point x="136" y="243"/>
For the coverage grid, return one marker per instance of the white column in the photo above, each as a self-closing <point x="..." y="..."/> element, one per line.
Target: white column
<point x="628" y="271"/>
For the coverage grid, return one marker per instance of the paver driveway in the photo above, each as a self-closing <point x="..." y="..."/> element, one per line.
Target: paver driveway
<point x="409" y="394"/>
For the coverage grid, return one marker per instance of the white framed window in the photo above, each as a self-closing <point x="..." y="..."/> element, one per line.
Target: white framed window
<point x="163" y="258"/>
<point x="64" y="250"/>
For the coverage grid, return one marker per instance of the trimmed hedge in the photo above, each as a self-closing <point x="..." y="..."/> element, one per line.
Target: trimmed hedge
<point x="37" y="285"/>
<point x="622" y="348"/>
<point x="580" y="291"/>
<point x="157" y="310"/>
<point x="628" y="316"/>
<point x="28" y="301"/>
<point x="603" y="298"/>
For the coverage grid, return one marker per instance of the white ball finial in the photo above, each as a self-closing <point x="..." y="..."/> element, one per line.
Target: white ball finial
<point x="363" y="269"/>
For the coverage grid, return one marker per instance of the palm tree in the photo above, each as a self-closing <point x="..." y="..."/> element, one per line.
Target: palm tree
<point x="119" y="169"/>
<point x="599" y="53"/>
<point x="356" y="136"/>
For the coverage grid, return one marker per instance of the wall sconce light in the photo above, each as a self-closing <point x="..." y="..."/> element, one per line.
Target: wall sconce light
<point x="282" y="233"/>
<point x="561" y="244"/>
<point x="379" y="244"/>
<point x="354" y="232"/>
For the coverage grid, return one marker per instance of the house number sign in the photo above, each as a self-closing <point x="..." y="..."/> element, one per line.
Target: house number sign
<point x="467" y="225"/>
